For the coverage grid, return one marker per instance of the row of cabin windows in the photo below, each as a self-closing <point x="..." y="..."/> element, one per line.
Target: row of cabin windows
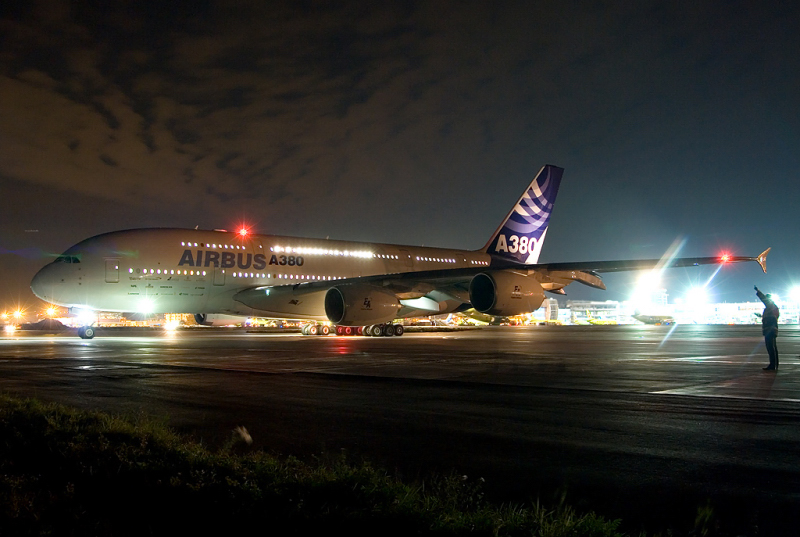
<point x="184" y="272"/>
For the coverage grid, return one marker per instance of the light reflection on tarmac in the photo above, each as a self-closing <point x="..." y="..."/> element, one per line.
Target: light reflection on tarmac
<point x="623" y="419"/>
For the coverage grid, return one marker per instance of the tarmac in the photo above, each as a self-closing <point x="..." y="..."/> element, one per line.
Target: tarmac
<point x="646" y="423"/>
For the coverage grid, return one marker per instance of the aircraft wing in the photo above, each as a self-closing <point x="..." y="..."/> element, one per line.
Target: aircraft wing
<point x="560" y="274"/>
<point x="448" y="290"/>
<point x="647" y="264"/>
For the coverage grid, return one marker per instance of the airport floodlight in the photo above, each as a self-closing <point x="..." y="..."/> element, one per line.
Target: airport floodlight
<point x="146" y="306"/>
<point x="794" y="294"/>
<point x="51" y="311"/>
<point x="18" y="314"/>
<point x="85" y="317"/>
<point x="649" y="280"/>
<point x="697" y="295"/>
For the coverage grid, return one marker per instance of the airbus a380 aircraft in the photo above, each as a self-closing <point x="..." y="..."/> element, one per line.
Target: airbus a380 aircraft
<point x="359" y="287"/>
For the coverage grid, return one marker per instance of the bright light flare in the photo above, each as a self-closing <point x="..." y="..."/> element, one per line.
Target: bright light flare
<point x="85" y="317"/>
<point x="697" y="295"/>
<point x="244" y="230"/>
<point x="172" y="325"/>
<point x="146" y="306"/>
<point x="646" y="286"/>
<point x="51" y="311"/>
<point x="794" y="294"/>
<point x="10" y="329"/>
<point x="724" y="258"/>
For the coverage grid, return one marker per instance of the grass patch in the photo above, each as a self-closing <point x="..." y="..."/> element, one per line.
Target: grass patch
<point x="70" y="472"/>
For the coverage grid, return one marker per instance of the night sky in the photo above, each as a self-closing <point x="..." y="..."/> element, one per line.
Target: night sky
<point x="406" y="122"/>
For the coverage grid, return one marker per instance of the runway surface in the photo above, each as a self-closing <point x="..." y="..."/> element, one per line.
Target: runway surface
<point x="642" y="422"/>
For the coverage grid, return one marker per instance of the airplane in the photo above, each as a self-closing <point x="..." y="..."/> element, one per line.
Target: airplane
<point x="361" y="288"/>
<point x="654" y="319"/>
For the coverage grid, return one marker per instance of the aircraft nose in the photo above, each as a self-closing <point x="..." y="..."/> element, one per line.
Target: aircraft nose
<point x="42" y="284"/>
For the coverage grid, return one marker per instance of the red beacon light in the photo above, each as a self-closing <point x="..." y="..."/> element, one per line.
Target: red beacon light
<point x="724" y="258"/>
<point x="243" y="232"/>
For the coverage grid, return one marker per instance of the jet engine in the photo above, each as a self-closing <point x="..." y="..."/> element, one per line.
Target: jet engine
<point x="360" y="304"/>
<point x="505" y="293"/>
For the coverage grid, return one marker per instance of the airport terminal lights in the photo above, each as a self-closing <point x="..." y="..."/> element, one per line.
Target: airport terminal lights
<point x="683" y="312"/>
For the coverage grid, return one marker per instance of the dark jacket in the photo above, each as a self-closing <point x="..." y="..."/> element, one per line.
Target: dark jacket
<point x="769" y="319"/>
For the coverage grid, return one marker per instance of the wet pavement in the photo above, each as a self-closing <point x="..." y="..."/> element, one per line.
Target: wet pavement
<point x="647" y="423"/>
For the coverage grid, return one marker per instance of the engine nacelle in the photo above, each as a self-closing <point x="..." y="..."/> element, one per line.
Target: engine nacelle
<point x="359" y="304"/>
<point x="505" y="293"/>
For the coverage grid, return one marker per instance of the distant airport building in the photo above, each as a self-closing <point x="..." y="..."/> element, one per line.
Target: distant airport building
<point x="550" y="309"/>
<point x="595" y="312"/>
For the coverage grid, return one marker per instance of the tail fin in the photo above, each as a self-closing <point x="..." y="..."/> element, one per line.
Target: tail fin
<point x="520" y="236"/>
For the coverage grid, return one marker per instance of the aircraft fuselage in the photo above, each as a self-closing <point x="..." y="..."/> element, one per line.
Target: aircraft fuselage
<point x="186" y="271"/>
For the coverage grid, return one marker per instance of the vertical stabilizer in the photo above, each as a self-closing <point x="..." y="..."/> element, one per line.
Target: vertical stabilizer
<point x="520" y="236"/>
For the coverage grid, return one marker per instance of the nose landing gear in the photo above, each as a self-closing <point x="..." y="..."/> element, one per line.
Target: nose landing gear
<point x="86" y="332"/>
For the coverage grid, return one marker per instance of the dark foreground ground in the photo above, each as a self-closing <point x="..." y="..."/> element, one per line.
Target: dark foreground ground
<point x="644" y="423"/>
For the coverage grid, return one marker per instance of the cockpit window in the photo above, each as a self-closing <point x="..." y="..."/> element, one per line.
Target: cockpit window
<point x="68" y="259"/>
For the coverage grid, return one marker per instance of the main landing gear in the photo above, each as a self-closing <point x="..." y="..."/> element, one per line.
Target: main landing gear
<point x="375" y="330"/>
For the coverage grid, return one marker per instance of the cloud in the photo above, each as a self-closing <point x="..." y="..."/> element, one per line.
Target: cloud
<point x="432" y="116"/>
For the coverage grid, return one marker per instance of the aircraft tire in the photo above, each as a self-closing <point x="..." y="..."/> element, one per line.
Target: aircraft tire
<point x="388" y="330"/>
<point x="339" y="330"/>
<point x="399" y="330"/>
<point x="313" y="330"/>
<point x="324" y="330"/>
<point x="360" y="330"/>
<point x="86" y="332"/>
<point x="376" y="330"/>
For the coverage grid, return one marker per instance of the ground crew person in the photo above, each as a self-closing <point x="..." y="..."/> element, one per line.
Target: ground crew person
<point x="769" y="327"/>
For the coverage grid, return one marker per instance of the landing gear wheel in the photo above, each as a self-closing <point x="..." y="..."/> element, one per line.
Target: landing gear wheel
<point x="360" y="330"/>
<point x="86" y="332"/>
<point x="376" y="330"/>
<point x="304" y="329"/>
<point x="339" y="330"/>
<point x="398" y="330"/>
<point x="324" y="329"/>
<point x="313" y="330"/>
<point x="388" y="330"/>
